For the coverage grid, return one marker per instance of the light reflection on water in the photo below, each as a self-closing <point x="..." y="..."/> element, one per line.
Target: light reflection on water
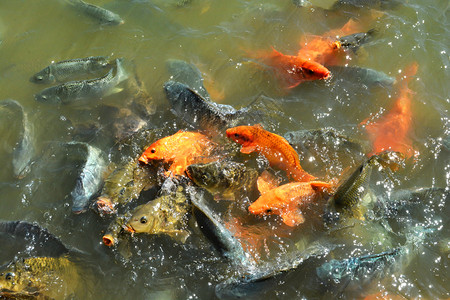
<point x="219" y="38"/>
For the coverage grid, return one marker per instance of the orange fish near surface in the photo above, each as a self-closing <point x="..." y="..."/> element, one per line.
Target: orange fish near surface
<point x="180" y="150"/>
<point x="391" y="131"/>
<point x="326" y="49"/>
<point x="293" y="70"/>
<point x="288" y="200"/>
<point x="274" y="147"/>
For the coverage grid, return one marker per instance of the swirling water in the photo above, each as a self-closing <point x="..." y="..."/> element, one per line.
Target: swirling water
<point x="219" y="37"/>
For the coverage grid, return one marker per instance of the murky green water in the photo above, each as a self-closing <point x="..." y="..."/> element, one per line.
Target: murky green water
<point x="217" y="37"/>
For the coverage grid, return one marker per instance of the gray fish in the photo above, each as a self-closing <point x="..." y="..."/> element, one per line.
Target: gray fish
<point x="32" y="238"/>
<point x="75" y="90"/>
<point x="104" y="16"/>
<point x="376" y="4"/>
<point x="68" y="69"/>
<point x="90" y="179"/>
<point x="355" y="40"/>
<point x="349" y="194"/>
<point x="188" y="74"/>
<point x="23" y="151"/>
<point x="214" y="230"/>
<point x="366" y="76"/>
<point x="196" y="111"/>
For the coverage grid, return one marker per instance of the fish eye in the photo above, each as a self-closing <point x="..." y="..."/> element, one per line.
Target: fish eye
<point x="269" y="210"/>
<point x="44" y="97"/>
<point x="39" y="77"/>
<point x="236" y="135"/>
<point x="9" y="276"/>
<point x="143" y="220"/>
<point x="153" y="150"/>
<point x="309" y="71"/>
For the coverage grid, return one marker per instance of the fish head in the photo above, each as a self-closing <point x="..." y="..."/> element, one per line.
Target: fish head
<point x="48" y="95"/>
<point x="203" y="174"/>
<point x="145" y="218"/>
<point x="43" y="76"/>
<point x="156" y="151"/>
<point x="310" y="70"/>
<point x="241" y="134"/>
<point x="266" y="205"/>
<point x="13" y="282"/>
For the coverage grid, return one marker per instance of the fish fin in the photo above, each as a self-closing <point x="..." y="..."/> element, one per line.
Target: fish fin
<point x="226" y="196"/>
<point x="320" y="185"/>
<point x="293" y="217"/>
<point x="114" y="90"/>
<point x="266" y="182"/>
<point x="180" y="235"/>
<point x="248" y="149"/>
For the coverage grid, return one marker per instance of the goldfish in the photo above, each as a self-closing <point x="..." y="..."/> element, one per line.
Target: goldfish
<point x="293" y="70"/>
<point x="287" y="201"/>
<point x="274" y="147"/>
<point x="391" y="131"/>
<point x="180" y="150"/>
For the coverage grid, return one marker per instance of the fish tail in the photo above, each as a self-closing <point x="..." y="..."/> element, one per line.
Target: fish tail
<point x="408" y="73"/>
<point x="121" y="73"/>
<point x="320" y="185"/>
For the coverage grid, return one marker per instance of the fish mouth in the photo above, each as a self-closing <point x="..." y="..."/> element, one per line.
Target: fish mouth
<point x="129" y="228"/>
<point x="143" y="159"/>
<point x="108" y="240"/>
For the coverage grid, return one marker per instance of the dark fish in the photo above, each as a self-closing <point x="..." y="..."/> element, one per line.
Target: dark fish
<point x="349" y="194"/>
<point x="196" y="111"/>
<point x="167" y="214"/>
<point x="24" y="149"/>
<point x="214" y="230"/>
<point x="90" y="178"/>
<point x="266" y="277"/>
<point x="223" y="178"/>
<point x="366" y="76"/>
<point x="75" y="90"/>
<point x="104" y="16"/>
<point x="375" y="4"/>
<point x="68" y="69"/>
<point x="31" y="238"/>
<point x="357" y="272"/>
<point x="355" y="40"/>
<point x="188" y="74"/>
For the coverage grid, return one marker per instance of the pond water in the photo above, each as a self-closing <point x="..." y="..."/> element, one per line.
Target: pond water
<point x="221" y="38"/>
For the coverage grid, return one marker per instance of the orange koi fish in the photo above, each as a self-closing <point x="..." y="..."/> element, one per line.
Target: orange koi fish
<point x="293" y="70"/>
<point x="274" y="147"/>
<point x="180" y="150"/>
<point x="287" y="201"/>
<point x="391" y="131"/>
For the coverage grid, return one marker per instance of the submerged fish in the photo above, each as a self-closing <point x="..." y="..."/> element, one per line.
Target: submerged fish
<point x="41" y="277"/>
<point x="72" y="68"/>
<point x="23" y="150"/>
<point x="188" y="74"/>
<point x="90" y="178"/>
<point x="196" y="111"/>
<point x="74" y="90"/>
<point x="391" y="131"/>
<point x="223" y="178"/>
<point x="215" y="231"/>
<point x="288" y="200"/>
<point x="292" y="70"/>
<point x="349" y="194"/>
<point x="179" y="150"/>
<point x="355" y="40"/>
<point x="167" y="214"/>
<point x="366" y="76"/>
<point x="274" y="147"/>
<point x="31" y="238"/>
<point x="124" y="184"/>
<point x="375" y="4"/>
<point x="102" y="15"/>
